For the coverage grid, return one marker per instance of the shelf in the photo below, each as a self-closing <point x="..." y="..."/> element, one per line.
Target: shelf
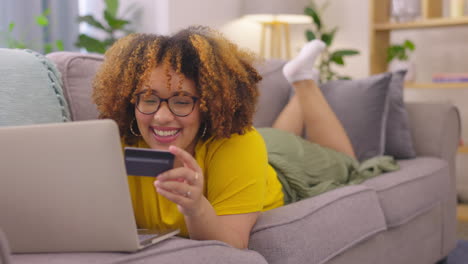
<point x="463" y="149"/>
<point x="427" y="23"/>
<point x="436" y="85"/>
<point x="462" y="212"/>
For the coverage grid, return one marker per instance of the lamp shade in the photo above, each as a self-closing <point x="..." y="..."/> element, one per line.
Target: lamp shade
<point x="287" y="11"/>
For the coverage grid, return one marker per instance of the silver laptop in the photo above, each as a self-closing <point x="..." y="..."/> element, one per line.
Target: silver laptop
<point x="63" y="188"/>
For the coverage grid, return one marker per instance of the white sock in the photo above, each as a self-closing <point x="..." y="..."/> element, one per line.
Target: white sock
<point x="302" y="66"/>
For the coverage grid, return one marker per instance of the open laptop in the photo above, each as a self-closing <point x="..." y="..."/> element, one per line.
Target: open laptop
<point x="63" y="188"/>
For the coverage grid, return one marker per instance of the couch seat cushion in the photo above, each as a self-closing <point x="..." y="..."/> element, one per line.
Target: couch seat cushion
<point x="316" y="229"/>
<point x="174" y="250"/>
<point x="414" y="189"/>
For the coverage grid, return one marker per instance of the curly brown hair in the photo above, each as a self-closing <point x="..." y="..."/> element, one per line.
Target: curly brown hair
<point x="223" y="74"/>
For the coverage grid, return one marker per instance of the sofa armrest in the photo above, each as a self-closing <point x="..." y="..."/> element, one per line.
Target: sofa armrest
<point x="316" y="229"/>
<point x="435" y="129"/>
<point x="4" y="249"/>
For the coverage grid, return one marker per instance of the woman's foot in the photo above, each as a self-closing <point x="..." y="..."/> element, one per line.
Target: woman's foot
<point x="302" y="66"/>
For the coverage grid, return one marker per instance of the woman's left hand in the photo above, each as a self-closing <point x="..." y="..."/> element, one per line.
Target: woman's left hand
<point x="183" y="185"/>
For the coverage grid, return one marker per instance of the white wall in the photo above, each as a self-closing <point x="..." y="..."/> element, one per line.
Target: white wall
<point x="350" y="16"/>
<point x="169" y="16"/>
<point x="214" y="13"/>
<point x="437" y="49"/>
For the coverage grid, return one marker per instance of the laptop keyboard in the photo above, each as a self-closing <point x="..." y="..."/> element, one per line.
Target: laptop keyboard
<point x="146" y="237"/>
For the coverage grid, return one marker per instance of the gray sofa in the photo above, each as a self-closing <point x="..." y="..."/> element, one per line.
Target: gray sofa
<point x="407" y="216"/>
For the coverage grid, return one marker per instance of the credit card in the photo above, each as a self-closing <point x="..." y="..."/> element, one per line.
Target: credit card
<point x="147" y="162"/>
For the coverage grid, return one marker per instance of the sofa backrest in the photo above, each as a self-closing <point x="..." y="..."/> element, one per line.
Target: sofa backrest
<point x="369" y="136"/>
<point x="78" y="71"/>
<point x="275" y="92"/>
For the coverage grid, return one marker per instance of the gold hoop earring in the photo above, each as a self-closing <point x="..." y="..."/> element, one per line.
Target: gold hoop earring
<point x="204" y="131"/>
<point x="131" y="129"/>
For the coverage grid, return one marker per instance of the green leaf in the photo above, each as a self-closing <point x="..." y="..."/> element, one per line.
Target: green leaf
<point x="17" y="45"/>
<point x="113" y="22"/>
<point x="315" y="17"/>
<point x="390" y="55"/>
<point x="345" y="52"/>
<point x="42" y="20"/>
<point x="310" y="35"/>
<point x="330" y="36"/>
<point x="112" y="6"/>
<point x="91" y="21"/>
<point x="11" y="26"/>
<point x="90" y="44"/>
<point x="337" y="56"/>
<point x="392" y="52"/>
<point x="327" y="38"/>
<point x="396" y="51"/>
<point x="59" y="45"/>
<point x="337" y="59"/>
<point x="46" y="12"/>
<point x="409" y="45"/>
<point x="344" y="78"/>
<point x="48" y="48"/>
<point x="400" y="52"/>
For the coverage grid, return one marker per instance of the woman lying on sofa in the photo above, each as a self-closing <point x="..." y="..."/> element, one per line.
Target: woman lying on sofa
<point x="194" y="94"/>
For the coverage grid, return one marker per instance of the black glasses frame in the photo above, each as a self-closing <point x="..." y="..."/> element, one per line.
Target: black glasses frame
<point x="161" y="100"/>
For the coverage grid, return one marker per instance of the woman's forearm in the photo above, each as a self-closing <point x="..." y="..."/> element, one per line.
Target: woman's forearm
<point x="206" y="225"/>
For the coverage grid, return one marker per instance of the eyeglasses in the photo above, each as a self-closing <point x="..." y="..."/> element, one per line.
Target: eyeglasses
<point x="179" y="105"/>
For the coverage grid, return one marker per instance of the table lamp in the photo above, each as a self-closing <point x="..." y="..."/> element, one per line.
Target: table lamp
<point x="276" y="16"/>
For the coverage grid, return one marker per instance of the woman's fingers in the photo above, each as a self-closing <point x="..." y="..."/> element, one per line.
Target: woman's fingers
<point x="183" y="185"/>
<point x="187" y="159"/>
<point x="177" y="187"/>
<point x="181" y="175"/>
<point x="179" y="199"/>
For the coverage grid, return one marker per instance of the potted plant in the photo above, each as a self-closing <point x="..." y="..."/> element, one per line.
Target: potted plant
<point x="328" y="58"/>
<point x="113" y="28"/>
<point x="398" y="57"/>
<point x="8" y="39"/>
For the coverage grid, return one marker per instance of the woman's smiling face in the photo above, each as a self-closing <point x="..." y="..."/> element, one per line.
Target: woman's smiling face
<point x="163" y="128"/>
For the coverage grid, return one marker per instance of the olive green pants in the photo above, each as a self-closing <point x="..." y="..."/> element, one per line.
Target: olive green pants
<point x="306" y="169"/>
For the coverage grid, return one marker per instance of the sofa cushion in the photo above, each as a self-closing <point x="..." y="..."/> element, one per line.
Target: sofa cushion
<point x="30" y="89"/>
<point x="174" y="250"/>
<point x="398" y="141"/>
<point x="362" y="107"/>
<point x="412" y="190"/>
<point x="315" y="230"/>
<point x="274" y="92"/>
<point x="78" y="71"/>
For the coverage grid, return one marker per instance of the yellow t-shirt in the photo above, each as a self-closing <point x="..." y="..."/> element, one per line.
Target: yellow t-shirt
<point x="238" y="180"/>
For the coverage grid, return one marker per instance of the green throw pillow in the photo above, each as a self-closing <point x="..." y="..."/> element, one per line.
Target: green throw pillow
<point x="30" y="89"/>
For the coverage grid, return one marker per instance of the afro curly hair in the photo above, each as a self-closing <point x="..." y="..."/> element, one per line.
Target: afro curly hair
<point x="222" y="72"/>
